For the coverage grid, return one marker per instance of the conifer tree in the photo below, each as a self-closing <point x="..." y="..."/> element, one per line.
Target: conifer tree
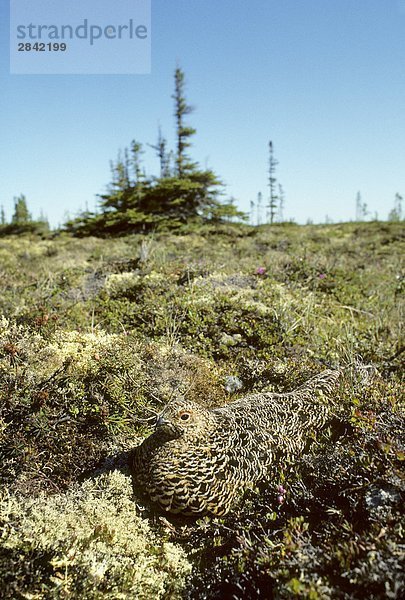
<point x="136" y="161"/>
<point x="272" y="206"/>
<point x="396" y="213"/>
<point x="183" y="132"/>
<point x="21" y="214"/>
<point x="114" y="198"/>
<point x="358" y="207"/>
<point x="259" y="208"/>
<point x="252" y="212"/>
<point x="22" y="221"/>
<point x="281" y="203"/>
<point x="361" y="208"/>
<point x="163" y="155"/>
<point x="181" y="194"/>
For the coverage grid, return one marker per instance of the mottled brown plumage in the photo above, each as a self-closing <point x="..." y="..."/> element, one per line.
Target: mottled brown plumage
<point x="199" y="460"/>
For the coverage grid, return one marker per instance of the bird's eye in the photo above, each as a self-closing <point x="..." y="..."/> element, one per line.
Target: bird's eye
<point x="184" y="416"/>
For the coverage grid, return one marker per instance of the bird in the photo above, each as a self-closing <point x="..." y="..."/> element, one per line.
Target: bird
<point x="199" y="460"/>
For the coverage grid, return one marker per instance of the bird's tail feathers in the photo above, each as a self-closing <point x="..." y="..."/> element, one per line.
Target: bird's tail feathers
<point x="325" y="382"/>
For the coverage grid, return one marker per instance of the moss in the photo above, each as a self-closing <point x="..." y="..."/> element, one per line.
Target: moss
<point x="70" y="397"/>
<point x="97" y="335"/>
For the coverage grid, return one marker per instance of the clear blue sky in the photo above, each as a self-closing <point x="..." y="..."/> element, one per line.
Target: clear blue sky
<point x="323" y="79"/>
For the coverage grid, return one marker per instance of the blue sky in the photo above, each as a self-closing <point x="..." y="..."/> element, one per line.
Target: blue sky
<point x="323" y="79"/>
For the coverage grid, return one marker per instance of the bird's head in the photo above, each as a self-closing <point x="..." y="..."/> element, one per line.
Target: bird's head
<point x="184" y="418"/>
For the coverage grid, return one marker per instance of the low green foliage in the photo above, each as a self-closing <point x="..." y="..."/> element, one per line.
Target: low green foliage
<point x="97" y="335"/>
<point x="22" y="221"/>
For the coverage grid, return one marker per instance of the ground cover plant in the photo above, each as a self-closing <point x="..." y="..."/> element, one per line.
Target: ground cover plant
<point x="97" y="333"/>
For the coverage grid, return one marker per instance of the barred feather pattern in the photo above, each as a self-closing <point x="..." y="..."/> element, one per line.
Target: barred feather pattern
<point x="200" y="460"/>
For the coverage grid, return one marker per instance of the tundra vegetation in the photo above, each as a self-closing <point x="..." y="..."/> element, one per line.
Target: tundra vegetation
<point x="96" y="335"/>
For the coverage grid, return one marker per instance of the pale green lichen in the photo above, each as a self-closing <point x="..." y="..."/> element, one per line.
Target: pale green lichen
<point x="97" y="543"/>
<point x="82" y="348"/>
<point x="89" y="353"/>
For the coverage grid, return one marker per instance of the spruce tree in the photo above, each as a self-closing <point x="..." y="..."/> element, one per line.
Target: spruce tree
<point x="136" y="162"/>
<point x="281" y="203"/>
<point x="252" y="212"/>
<point x="183" y="133"/>
<point x="181" y="194"/>
<point x="42" y="217"/>
<point x="396" y="213"/>
<point x="21" y="214"/>
<point x="259" y="208"/>
<point x="272" y="206"/>
<point x="361" y="208"/>
<point x="163" y="155"/>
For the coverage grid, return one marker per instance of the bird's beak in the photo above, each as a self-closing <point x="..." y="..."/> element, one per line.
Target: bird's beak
<point x="160" y="421"/>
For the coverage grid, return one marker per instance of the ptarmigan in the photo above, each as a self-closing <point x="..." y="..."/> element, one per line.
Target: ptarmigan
<point x="199" y="460"/>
